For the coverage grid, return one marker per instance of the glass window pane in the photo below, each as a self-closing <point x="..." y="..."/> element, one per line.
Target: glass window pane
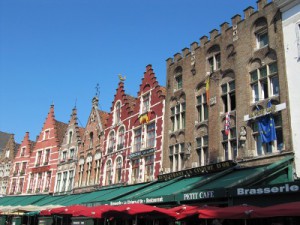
<point x="263" y="39"/>
<point x="275" y="85"/>
<point x="255" y="92"/>
<point x="263" y="72"/>
<point x="199" y="100"/>
<point x="254" y="76"/>
<point x="273" y="68"/>
<point x="224" y="88"/>
<point x="232" y="85"/>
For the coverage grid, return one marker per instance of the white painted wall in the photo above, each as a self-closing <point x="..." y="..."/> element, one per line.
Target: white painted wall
<point x="291" y="31"/>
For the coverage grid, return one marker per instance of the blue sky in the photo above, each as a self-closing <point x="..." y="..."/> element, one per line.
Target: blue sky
<point x="56" y="51"/>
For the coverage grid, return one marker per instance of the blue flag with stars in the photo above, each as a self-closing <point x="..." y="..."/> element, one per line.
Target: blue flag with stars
<point x="266" y="126"/>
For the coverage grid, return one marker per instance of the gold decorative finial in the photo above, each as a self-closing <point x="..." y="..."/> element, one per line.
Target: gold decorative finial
<point x="121" y="78"/>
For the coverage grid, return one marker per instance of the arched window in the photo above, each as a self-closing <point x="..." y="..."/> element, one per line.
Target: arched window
<point x="111" y="142"/>
<point x="261" y="33"/>
<point x="70" y="137"/>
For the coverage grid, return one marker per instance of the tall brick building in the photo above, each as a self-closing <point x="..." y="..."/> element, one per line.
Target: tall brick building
<point x="218" y="90"/>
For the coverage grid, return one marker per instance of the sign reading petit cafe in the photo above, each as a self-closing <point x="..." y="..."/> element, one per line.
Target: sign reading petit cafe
<point x="198" y="170"/>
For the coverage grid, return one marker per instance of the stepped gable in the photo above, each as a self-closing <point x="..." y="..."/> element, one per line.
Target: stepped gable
<point x="214" y="34"/>
<point x="74" y="121"/>
<point x="149" y="81"/>
<point x="26" y="142"/>
<point x="128" y="102"/>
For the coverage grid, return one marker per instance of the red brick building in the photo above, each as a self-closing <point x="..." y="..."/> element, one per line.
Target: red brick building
<point x="133" y="135"/>
<point x="18" y="183"/>
<point x="42" y="167"/>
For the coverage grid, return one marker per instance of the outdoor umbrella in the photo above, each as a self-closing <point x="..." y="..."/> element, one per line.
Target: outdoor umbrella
<point x="231" y="212"/>
<point x="64" y="210"/>
<point x="138" y="209"/>
<point x="285" y="209"/>
<point x="94" y="211"/>
<point x="184" y="211"/>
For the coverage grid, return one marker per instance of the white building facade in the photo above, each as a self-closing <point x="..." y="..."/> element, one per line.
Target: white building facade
<point x="290" y="10"/>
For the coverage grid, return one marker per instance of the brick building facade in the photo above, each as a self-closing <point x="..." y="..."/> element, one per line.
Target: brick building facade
<point x="224" y="85"/>
<point x="68" y="156"/>
<point x="42" y="167"/>
<point x="90" y="150"/>
<point x="133" y="136"/>
<point x="18" y="183"/>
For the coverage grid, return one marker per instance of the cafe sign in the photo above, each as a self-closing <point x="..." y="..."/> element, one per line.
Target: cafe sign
<point x="154" y="200"/>
<point x="198" y="170"/>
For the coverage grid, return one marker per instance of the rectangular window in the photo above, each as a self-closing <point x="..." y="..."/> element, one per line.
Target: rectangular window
<point x="22" y="153"/>
<point x="202" y="109"/>
<point x="228" y="96"/>
<point x="58" y="182"/>
<point x="39" y="158"/>
<point x="47" y="155"/>
<point x="64" y="181"/>
<point x="273" y="146"/>
<point x="137" y="139"/>
<point x="150" y="136"/>
<point x="229" y="144"/>
<point x="264" y="82"/>
<point x="202" y="150"/>
<point x="178" y="81"/>
<point x="71" y="177"/>
<point x="214" y="62"/>
<point x="262" y="39"/>
<point x="72" y="150"/>
<point x="135" y="171"/>
<point x="146" y="103"/>
<point x="149" y="168"/>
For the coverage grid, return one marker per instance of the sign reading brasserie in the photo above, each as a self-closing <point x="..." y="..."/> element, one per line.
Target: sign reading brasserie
<point x="267" y="190"/>
<point x="198" y="170"/>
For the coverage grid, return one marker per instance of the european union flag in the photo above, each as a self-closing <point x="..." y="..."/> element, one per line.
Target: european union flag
<point x="266" y="126"/>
